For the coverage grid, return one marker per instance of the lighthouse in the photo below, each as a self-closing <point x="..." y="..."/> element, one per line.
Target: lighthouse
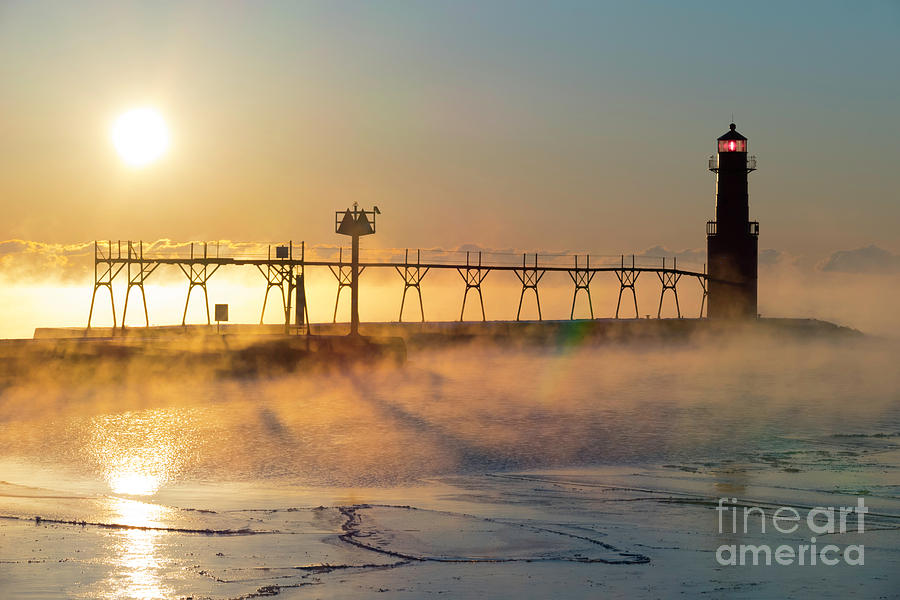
<point x="732" y="239"/>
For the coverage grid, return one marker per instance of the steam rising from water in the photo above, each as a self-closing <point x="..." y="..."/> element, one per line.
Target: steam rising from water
<point x="458" y="410"/>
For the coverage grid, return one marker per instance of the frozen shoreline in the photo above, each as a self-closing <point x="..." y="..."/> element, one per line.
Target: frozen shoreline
<point x="619" y="531"/>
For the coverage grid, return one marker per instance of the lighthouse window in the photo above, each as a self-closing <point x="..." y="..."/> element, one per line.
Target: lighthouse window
<point x="732" y="145"/>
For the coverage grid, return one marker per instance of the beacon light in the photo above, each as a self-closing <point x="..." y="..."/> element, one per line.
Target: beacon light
<point x="732" y="145"/>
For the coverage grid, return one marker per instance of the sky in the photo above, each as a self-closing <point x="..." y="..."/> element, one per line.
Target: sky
<point x="557" y="126"/>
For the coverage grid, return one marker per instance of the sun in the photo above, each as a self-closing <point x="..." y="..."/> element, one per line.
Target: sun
<point x="140" y="136"/>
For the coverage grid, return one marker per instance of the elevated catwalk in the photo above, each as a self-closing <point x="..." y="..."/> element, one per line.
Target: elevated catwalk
<point x="284" y="271"/>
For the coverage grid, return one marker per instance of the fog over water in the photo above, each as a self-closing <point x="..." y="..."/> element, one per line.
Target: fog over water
<point x="457" y="410"/>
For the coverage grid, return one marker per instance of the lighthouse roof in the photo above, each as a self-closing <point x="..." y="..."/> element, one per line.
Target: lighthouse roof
<point x="732" y="135"/>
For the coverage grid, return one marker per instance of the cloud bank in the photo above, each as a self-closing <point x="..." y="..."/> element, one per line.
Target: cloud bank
<point x="871" y="259"/>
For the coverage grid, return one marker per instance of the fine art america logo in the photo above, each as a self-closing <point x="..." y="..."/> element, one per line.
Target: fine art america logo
<point x="735" y="519"/>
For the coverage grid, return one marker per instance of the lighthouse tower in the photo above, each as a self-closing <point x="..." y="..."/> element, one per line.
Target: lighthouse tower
<point x="732" y="239"/>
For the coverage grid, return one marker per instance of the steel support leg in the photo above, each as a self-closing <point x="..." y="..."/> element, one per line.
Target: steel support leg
<point x="704" y="283"/>
<point x="138" y="272"/>
<point x="344" y="275"/>
<point x="473" y="275"/>
<point x="627" y="278"/>
<point x="530" y="277"/>
<point x="582" y="276"/>
<point x="105" y="272"/>
<point x="198" y="273"/>
<point x="669" y="280"/>
<point x="412" y="275"/>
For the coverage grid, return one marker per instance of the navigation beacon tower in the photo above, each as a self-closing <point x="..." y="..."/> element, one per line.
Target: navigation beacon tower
<point x="732" y="239"/>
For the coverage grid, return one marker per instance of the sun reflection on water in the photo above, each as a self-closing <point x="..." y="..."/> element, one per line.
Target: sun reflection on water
<point x="133" y="483"/>
<point x="139" y="452"/>
<point x="140" y="567"/>
<point x="135" y="513"/>
<point x="138" y="554"/>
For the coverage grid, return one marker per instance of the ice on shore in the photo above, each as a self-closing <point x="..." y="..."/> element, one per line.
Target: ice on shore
<point x="617" y="530"/>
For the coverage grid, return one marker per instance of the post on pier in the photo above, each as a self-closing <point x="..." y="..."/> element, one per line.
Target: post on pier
<point x="582" y="277"/>
<point x="288" y="276"/>
<point x="412" y="278"/>
<point x="704" y="283"/>
<point x="627" y="277"/>
<point x="530" y="276"/>
<point x="198" y="272"/>
<point x="473" y="275"/>
<point x="355" y="223"/>
<point x="106" y="267"/>
<point x="301" y="317"/>
<point x="301" y="314"/>
<point x="669" y="280"/>
<point x="138" y="272"/>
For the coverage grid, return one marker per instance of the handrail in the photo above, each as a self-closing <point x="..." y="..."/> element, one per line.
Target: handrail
<point x="752" y="228"/>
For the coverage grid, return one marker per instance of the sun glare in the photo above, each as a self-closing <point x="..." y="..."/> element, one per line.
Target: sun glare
<point x="134" y="484"/>
<point x="140" y="136"/>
